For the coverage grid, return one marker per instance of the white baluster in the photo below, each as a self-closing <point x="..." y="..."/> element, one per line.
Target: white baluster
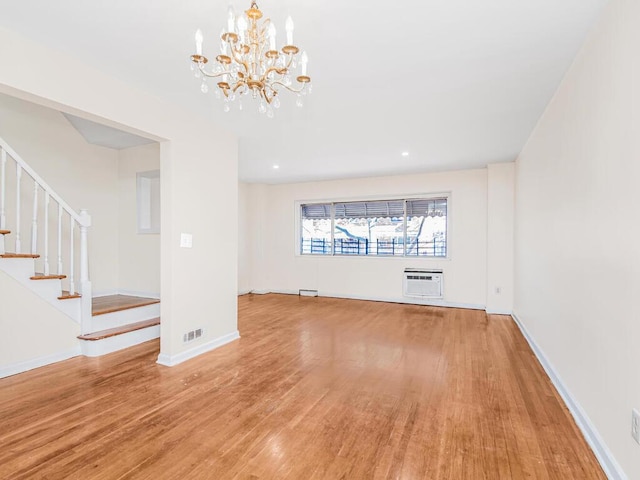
<point x="34" y="222"/>
<point x="72" y="286"/>
<point x="59" y="239"/>
<point x="18" y="178"/>
<point x="3" y="220"/>
<point x="3" y="184"/>
<point x="85" y="283"/>
<point x="84" y="246"/>
<point x="47" y="198"/>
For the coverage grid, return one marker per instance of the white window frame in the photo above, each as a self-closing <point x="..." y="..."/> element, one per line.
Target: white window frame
<point x="421" y="196"/>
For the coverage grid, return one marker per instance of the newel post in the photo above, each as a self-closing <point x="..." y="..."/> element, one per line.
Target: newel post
<point x="3" y="185"/>
<point x="85" y="283"/>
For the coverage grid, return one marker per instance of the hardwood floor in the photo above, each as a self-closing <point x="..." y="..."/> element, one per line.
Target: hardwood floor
<point x="117" y="303"/>
<point x="316" y="388"/>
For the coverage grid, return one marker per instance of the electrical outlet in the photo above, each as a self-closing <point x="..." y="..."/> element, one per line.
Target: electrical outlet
<point x="635" y="425"/>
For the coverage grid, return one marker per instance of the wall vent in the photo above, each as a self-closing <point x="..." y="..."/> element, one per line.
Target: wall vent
<point x="192" y="335"/>
<point x="421" y="283"/>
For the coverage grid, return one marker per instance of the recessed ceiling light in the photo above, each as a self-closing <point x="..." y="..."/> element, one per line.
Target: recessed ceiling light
<point x="405" y="154"/>
<point x="275" y="167"/>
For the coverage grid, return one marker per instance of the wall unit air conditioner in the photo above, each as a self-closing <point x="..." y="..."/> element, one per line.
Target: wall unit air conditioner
<point x="422" y="283"/>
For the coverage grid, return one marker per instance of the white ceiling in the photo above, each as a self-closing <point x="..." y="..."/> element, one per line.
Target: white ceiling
<point x="457" y="83"/>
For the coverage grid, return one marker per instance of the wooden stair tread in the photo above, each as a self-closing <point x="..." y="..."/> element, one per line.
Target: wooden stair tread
<point x="112" y="332"/>
<point x="19" y="255"/>
<point x="117" y="303"/>
<point x="5" y="232"/>
<point x="42" y="276"/>
<point x="66" y="295"/>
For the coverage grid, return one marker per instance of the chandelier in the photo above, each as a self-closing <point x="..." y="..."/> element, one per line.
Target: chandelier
<point x="250" y="64"/>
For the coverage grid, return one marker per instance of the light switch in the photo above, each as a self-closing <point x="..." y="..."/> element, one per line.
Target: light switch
<point x="186" y="240"/>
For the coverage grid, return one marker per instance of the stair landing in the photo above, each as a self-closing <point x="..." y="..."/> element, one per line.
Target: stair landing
<point x="120" y="321"/>
<point x="118" y="303"/>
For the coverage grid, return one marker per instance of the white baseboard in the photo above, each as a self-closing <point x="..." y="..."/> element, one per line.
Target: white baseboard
<point x="611" y="467"/>
<point x="21" y="367"/>
<point x="172" y="360"/>
<point x="243" y="292"/>
<point x="491" y="311"/>
<point x="104" y="293"/>
<point x="407" y="301"/>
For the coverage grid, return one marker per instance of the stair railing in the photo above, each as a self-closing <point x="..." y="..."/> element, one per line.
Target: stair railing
<point x="81" y="220"/>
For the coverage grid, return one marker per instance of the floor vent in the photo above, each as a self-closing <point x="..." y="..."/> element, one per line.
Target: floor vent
<point x="308" y="293"/>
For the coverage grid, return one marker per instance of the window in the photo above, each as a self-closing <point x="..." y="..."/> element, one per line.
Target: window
<point x="405" y="227"/>
<point x="148" y="197"/>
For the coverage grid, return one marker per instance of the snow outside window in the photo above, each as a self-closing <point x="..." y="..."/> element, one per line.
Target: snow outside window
<point x="402" y="227"/>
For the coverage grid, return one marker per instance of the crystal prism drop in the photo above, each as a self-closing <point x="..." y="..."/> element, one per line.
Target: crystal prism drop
<point x="226" y="108"/>
<point x="299" y="101"/>
<point x="204" y="87"/>
<point x="276" y="102"/>
<point x="262" y="108"/>
<point x="270" y="113"/>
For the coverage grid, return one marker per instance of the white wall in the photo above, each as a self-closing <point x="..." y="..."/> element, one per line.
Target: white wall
<point x="138" y="254"/>
<point x="84" y="175"/>
<point x="193" y="177"/>
<point x="33" y="331"/>
<point x="577" y="230"/>
<point x="500" y="225"/>
<point x="245" y="239"/>
<point x="276" y="266"/>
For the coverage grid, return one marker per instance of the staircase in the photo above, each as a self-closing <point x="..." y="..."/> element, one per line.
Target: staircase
<point x="55" y="268"/>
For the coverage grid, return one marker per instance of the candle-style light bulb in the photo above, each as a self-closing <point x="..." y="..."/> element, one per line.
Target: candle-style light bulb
<point x="289" y="27"/>
<point x="304" y="59"/>
<point x="223" y="44"/>
<point x="199" y="39"/>
<point x="242" y="27"/>
<point x="230" y="19"/>
<point x="272" y="37"/>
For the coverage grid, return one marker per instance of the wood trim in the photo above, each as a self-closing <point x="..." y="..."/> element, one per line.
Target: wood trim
<point x="112" y="332"/>
<point x="19" y="255"/>
<point x="66" y="295"/>
<point x="118" y="303"/>
<point x="47" y="277"/>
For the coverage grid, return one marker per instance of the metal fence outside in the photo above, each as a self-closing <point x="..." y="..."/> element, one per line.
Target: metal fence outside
<point x="363" y="247"/>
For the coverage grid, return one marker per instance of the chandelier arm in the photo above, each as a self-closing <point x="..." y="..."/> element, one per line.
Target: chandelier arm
<point x="289" y="88"/>
<point x="279" y="71"/>
<point x="239" y="84"/>
<point x="212" y="75"/>
<point x="263" y="93"/>
<point x="288" y="66"/>
<point x="239" y="61"/>
<point x="264" y="28"/>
